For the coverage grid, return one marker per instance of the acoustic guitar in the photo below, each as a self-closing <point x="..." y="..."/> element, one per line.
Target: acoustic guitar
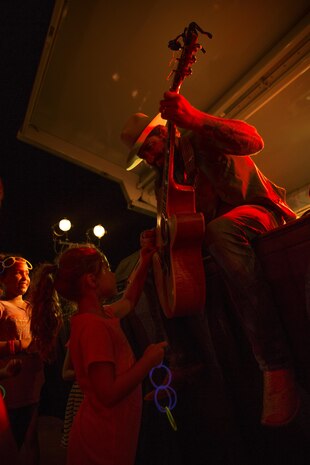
<point x="178" y="267"/>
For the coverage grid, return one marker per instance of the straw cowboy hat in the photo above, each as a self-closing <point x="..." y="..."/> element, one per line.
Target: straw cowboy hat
<point x="134" y="133"/>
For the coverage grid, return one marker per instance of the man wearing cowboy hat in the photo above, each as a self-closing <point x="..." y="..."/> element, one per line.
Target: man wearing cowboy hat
<point x="238" y="203"/>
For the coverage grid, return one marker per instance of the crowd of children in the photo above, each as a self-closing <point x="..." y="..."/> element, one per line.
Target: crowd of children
<point x="105" y="368"/>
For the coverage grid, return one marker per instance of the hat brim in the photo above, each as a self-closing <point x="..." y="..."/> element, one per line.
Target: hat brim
<point x="133" y="159"/>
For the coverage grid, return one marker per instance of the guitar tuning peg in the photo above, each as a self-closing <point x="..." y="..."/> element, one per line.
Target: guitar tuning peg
<point x="200" y="47"/>
<point x="174" y="45"/>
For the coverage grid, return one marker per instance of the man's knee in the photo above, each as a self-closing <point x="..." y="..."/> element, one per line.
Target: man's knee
<point x="219" y="229"/>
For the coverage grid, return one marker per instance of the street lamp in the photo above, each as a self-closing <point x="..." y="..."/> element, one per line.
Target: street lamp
<point x="60" y="235"/>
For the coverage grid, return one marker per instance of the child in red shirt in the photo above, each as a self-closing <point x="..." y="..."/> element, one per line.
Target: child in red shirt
<point x="105" y="430"/>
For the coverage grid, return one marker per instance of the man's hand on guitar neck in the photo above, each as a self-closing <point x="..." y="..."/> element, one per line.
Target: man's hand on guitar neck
<point x="177" y="109"/>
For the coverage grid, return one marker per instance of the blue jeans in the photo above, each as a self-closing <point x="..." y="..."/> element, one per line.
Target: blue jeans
<point x="228" y="239"/>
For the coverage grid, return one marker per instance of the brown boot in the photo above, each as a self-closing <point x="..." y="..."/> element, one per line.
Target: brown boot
<point x="281" y="399"/>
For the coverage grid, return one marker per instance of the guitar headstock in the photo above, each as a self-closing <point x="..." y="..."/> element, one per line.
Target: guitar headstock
<point x="189" y="47"/>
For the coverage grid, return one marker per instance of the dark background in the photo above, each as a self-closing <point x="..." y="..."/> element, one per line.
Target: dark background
<point x="40" y="188"/>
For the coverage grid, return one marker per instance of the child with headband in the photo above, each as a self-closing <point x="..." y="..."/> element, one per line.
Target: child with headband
<point x="17" y="348"/>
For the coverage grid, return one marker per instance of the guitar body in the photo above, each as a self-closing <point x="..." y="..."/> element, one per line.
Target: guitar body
<point x="178" y="267"/>
<point x="180" y="279"/>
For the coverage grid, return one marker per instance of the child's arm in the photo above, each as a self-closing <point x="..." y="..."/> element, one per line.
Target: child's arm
<point x="111" y="389"/>
<point x="137" y="278"/>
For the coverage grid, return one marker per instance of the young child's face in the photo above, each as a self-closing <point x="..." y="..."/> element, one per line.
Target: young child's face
<point x="106" y="281"/>
<point x="16" y="279"/>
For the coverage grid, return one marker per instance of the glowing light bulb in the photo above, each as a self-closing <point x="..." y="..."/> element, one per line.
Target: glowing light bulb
<point x="99" y="231"/>
<point x="64" y="225"/>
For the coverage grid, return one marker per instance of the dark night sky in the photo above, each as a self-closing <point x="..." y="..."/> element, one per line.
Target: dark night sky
<point x="41" y="188"/>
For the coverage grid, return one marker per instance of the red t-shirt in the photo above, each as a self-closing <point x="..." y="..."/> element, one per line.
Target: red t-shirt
<point x="102" y="435"/>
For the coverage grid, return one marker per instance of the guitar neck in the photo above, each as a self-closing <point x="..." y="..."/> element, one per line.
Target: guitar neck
<point x="168" y="166"/>
<point x="185" y="61"/>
